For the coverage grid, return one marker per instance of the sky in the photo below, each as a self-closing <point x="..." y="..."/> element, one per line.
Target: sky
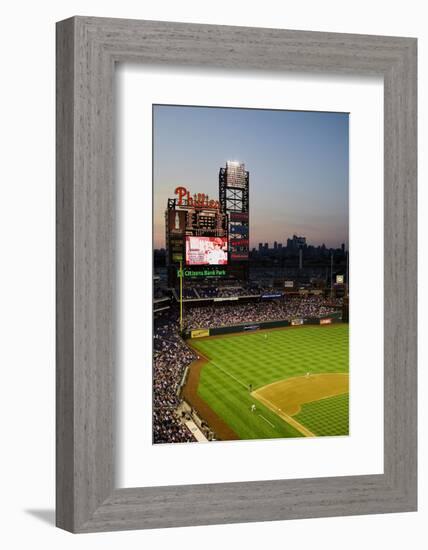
<point x="298" y="163"/>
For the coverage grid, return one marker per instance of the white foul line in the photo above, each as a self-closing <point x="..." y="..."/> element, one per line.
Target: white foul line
<point x="266" y="420"/>
<point x="231" y="375"/>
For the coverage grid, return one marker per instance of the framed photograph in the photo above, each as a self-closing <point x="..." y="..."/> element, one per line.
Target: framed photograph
<point x="251" y="334"/>
<point x="236" y="274"/>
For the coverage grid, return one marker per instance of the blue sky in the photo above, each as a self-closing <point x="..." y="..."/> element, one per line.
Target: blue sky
<point x="298" y="163"/>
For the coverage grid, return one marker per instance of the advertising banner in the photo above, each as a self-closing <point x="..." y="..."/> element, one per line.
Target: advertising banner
<point x="200" y="333"/>
<point x="325" y="321"/>
<point x="239" y="242"/>
<point x="297" y="322"/>
<point x="251" y="327"/>
<point x="177" y="257"/>
<point x="238" y="216"/>
<point x="176" y="221"/>
<point x="238" y="229"/>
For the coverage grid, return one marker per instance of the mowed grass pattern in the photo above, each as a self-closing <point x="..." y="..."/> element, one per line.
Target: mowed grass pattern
<point x="328" y="416"/>
<point x="236" y="361"/>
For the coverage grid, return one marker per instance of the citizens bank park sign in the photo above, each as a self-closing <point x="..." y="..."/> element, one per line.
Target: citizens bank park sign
<point x="204" y="272"/>
<point x="198" y="200"/>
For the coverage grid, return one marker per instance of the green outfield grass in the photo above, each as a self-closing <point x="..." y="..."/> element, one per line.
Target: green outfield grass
<point x="328" y="416"/>
<point x="236" y="361"/>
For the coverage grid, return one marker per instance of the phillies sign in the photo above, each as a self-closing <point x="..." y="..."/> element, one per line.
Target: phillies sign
<point x="198" y="200"/>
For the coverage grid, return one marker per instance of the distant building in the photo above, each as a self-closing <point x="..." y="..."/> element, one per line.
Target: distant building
<point x="296" y="242"/>
<point x="275" y="245"/>
<point x="260" y="247"/>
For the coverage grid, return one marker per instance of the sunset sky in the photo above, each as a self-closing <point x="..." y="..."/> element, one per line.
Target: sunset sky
<point x="298" y="163"/>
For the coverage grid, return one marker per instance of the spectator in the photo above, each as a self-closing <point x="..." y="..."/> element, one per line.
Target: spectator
<point x="170" y="358"/>
<point x="273" y="310"/>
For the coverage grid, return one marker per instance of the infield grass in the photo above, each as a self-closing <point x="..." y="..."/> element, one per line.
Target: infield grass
<point x="240" y="364"/>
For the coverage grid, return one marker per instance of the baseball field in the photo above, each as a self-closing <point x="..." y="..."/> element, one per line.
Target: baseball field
<point x="290" y="382"/>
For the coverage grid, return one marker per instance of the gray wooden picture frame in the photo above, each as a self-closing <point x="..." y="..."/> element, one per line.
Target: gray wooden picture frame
<point x="87" y="51"/>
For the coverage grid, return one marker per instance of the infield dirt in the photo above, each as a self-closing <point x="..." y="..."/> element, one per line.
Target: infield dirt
<point x="286" y="397"/>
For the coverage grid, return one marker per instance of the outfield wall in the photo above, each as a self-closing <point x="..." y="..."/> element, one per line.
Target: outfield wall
<point x="249" y="327"/>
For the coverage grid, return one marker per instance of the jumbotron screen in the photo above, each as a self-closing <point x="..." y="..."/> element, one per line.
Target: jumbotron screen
<point x="206" y="250"/>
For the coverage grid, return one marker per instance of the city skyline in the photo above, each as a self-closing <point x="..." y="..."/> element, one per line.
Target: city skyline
<point x="281" y="244"/>
<point x="298" y="164"/>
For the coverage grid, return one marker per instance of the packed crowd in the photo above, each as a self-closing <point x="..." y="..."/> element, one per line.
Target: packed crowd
<point x="171" y="356"/>
<point x="210" y="292"/>
<point x="239" y="291"/>
<point x="227" y="291"/>
<point x="290" y="308"/>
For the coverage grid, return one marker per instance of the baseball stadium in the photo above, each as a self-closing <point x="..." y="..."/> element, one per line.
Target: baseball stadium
<point x="247" y="344"/>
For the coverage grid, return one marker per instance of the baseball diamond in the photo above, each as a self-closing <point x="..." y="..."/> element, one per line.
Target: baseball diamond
<point x="288" y="382"/>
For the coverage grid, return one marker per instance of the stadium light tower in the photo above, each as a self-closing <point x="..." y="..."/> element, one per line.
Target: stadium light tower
<point x="181" y="296"/>
<point x="234" y="200"/>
